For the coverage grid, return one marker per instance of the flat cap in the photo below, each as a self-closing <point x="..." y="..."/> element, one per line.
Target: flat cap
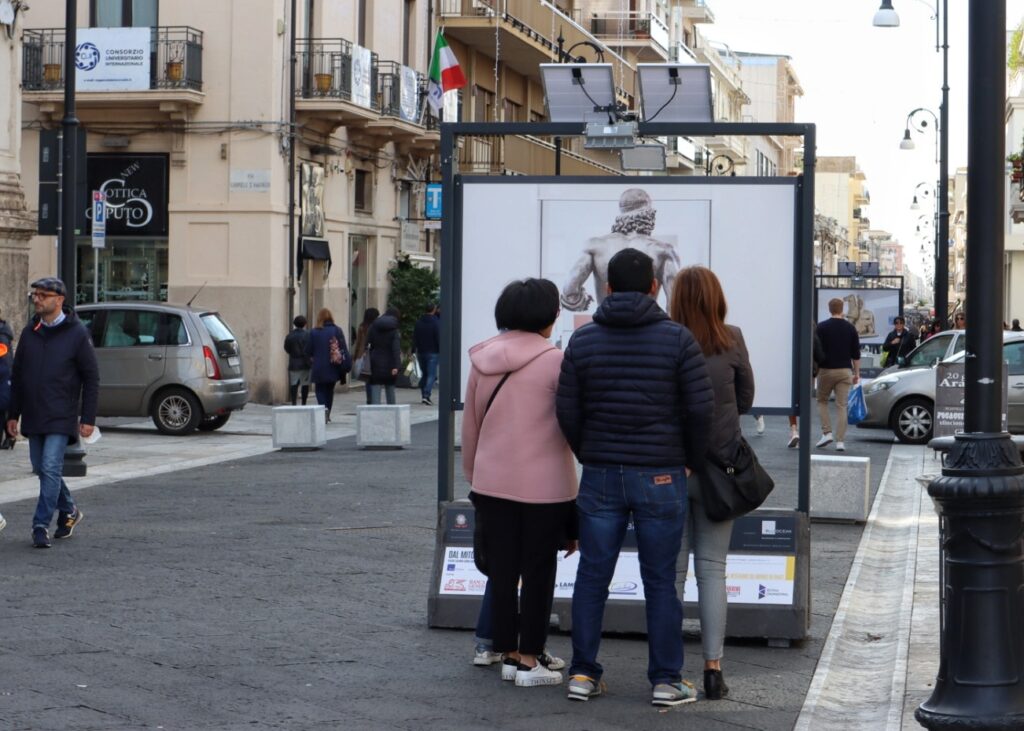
<point x="50" y="284"/>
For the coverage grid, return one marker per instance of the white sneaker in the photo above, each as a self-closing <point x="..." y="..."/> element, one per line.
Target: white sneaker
<point x="760" y="424"/>
<point x="537" y="675"/>
<point x="483" y="656"/>
<point x="840" y="447"/>
<point x="794" y="439"/>
<point x="508" y="669"/>
<point x="825" y="440"/>
<point x="3" y="522"/>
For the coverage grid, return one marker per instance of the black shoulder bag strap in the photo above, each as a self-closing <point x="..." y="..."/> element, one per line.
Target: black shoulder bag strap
<point x="495" y="393"/>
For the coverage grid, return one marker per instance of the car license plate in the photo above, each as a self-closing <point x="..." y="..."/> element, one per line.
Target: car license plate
<point x="233" y="361"/>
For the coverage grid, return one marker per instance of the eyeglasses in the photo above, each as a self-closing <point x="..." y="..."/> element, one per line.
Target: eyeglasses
<point x="43" y="295"/>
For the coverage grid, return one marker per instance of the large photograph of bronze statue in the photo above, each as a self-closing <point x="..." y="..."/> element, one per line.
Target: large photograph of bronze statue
<point x="579" y="236"/>
<point x="567" y="230"/>
<point x="870" y="311"/>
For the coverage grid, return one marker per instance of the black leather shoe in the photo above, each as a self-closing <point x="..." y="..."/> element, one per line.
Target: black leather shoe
<point x="714" y="685"/>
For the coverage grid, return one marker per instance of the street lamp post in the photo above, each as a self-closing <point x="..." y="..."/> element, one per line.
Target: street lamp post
<point x="980" y="495"/>
<point x="886" y="17"/>
<point x="69" y="157"/>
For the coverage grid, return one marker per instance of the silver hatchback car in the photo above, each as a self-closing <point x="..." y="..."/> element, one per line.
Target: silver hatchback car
<point x="179" y="365"/>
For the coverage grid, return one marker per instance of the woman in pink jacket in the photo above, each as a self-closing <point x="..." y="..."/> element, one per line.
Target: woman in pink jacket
<point x="521" y="471"/>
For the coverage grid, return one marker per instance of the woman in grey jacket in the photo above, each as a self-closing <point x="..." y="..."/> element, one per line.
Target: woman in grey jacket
<point x="699" y="304"/>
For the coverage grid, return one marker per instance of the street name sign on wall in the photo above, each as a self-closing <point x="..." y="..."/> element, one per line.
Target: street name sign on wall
<point x="112" y="59"/>
<point x="949" y="399"/>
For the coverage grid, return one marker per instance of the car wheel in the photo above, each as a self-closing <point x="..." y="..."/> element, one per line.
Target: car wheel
<point x="176" y="412"/>
<point x="912" y="421"/>
<point x="212" y="423"/>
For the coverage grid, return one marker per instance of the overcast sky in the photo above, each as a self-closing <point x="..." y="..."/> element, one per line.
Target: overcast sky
<point x="860" y="82"/>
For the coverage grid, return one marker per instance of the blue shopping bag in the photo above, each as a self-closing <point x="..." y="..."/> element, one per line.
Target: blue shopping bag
<point x="856" y="409"/>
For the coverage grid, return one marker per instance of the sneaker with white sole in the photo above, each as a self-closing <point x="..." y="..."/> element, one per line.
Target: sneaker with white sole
<point x="509" y="668"/>
<point x="3" y="522"/>
<point x="66" y="523"/>
<point x="584" y="687"/>
<point x="840" y="447"/>
<point x="825" y="440"/>
<point x="550" y="661"/>
<point x="760" y="424"/>
<point x="794" y="440"/>
<point x="484" y="656"/>
<point x="673" y="694"/>
<point x="537" y="675"/>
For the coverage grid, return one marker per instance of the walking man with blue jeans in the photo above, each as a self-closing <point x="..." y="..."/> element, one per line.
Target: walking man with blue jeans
<point x="54" y="388"/>
<point x="635" y="404"/>
<point x="426" y="343"/>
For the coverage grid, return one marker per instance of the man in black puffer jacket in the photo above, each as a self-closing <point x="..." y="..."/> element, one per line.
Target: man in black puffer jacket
<point x="54" y="390"/>
<point x="635" y="404"/>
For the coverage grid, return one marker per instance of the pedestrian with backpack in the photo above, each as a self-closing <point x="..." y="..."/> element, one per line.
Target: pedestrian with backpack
<point x="330" y="359"/>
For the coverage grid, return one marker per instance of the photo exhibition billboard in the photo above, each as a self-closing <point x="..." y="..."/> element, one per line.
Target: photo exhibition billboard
<point x="568" y="231"/>
<point x="870" y="311"/>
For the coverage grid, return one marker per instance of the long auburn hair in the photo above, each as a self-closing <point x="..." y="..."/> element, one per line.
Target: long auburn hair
<point x="699" y="303"/>
<point x="324" y="315"/>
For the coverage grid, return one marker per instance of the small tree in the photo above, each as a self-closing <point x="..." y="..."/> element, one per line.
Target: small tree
<point x="412" y="289"/>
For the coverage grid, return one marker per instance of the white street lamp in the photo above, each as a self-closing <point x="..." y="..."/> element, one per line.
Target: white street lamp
<point x="886" y="17"/>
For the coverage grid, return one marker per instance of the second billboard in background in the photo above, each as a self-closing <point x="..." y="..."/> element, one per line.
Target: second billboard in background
<point x="871" y="311"/>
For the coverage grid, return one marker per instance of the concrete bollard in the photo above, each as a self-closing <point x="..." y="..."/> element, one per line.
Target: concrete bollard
<point x="840" y="488"/>
<point x="298" y="427"/>
<point x="383" y="426"/>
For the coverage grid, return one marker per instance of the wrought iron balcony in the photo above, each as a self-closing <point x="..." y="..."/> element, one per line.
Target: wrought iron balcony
<point x="176" y="59"/>
<point x="630" y="27"/>
<point x="402" y="92"/>
<point x="334" y="68"/>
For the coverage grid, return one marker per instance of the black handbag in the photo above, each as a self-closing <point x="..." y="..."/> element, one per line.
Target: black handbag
<point x="735" y="486"/>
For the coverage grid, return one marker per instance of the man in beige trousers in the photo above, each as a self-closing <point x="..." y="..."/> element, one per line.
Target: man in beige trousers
<point x="838" y="371"/>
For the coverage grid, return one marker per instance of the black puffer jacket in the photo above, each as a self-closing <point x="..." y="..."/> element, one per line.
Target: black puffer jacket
<point x="385" y="347"/>
<point x="634" y="388"/>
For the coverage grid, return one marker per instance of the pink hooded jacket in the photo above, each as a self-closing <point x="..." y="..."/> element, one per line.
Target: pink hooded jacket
<point x="518" y="452"/>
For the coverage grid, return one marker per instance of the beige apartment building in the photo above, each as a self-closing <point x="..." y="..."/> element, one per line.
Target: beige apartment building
<point x="189" y="137"/>
<point x="840" y="192"/>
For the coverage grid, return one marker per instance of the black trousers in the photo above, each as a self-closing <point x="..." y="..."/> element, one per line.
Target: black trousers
<point x="521" y="541"/>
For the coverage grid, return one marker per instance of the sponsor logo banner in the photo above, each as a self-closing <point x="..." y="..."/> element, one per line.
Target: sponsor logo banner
<point x="112" y="59"/>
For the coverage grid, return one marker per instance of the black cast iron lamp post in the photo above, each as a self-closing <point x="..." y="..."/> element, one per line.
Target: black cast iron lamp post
<point x="980" y="495"/>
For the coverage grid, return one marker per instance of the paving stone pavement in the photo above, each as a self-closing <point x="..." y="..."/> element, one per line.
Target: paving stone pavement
<point x="288" y="590"/>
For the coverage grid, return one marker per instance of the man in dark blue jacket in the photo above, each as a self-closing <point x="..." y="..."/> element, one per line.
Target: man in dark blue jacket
<point x="635" y="404"/>
<point x="426" y="343"/>
<point x="54" y="388"/>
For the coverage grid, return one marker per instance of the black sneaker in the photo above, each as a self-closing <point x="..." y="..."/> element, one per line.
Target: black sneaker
<point x="426" y="401"/>
<point x="40" y="538"/>
<point x="66" y="523"/>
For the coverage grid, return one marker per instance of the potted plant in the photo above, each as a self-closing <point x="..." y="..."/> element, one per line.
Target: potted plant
<point x="643" y="28"/>
<point x="51" y="73"/>
<point x="1016" y="161"/>
<point x="323" y="82"/>
<point x="176" y="66"/>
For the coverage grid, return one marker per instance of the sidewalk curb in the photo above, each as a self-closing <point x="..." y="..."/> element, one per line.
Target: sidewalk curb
<point x="868" y="644"/>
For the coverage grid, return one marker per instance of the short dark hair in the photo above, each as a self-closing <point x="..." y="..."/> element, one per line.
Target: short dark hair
<point x="527" y="304"/>
<point x="299" y="321"/>
<point x="431" y="306"/>
<point x="898" y="319"/>
<point x="631" y="271"/>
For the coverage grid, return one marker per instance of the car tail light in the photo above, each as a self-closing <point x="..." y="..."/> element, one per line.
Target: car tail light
<point x="212" y="369"/>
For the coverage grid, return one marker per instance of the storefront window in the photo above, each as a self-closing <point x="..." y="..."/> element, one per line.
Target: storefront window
<point x="129" y="269"/>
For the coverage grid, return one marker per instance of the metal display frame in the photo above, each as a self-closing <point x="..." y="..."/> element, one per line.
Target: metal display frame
<point x="779" y="624"/>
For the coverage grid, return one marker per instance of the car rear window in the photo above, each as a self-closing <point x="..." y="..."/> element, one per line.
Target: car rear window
<point x="217" y="328"/>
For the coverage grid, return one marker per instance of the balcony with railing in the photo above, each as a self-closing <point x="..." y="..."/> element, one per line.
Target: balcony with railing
<point x="639" y="31"/>
<point x="175" y="70"/>
<point x="527" y="35"/>
<point x="337" y="78"/>
<point x="698" y="11"/>
<point x="401" y="95"/>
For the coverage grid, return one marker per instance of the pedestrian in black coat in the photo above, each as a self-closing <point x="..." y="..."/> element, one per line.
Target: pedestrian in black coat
<point x="298" y="362"/>
<point x="331" y="360"/>
<point x="385" y="344"/>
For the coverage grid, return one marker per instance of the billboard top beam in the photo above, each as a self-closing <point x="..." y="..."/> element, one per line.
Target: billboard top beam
<point x="652" y="129"/>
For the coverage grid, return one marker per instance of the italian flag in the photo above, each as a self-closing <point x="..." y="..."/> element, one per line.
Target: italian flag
<point x="445" y="73"/>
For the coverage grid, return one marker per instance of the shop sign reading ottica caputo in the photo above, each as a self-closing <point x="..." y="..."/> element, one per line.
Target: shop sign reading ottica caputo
<point x="112" y="59"/>
<point x="135" y="187"/>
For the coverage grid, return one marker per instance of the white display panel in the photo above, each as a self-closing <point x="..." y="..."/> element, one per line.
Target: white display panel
<point x="745" y="232"/>
<point x="871" y="311"/>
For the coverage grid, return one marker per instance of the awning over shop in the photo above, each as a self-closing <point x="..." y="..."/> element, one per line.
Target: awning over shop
<point x="315" y="250"/>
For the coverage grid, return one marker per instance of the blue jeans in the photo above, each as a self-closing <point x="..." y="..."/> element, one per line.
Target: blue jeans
<point x="655" y="499"/>
<point x="373" y="393"/>
<point x="46" y="452"/>
<point x="428" y="372"/>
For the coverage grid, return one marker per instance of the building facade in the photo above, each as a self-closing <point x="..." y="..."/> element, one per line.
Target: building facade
<point x="16" y="223"/>
<point x="840" y="192"/>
